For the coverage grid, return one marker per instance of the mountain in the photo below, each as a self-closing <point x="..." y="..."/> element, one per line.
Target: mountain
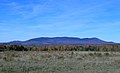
<point x="61" y="41"/>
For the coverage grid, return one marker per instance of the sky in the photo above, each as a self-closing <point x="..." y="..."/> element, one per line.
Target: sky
<point x="26" y="19"/>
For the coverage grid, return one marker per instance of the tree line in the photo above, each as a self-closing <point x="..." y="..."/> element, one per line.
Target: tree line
<point x="60" y="48"/>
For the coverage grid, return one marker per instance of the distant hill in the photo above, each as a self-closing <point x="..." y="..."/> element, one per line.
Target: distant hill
<point x="60" y="41"/>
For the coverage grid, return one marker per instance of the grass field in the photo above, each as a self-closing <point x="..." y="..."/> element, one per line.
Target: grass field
<point x="59" y="62"/>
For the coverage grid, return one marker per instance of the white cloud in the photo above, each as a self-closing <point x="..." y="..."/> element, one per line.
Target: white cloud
<point x="30" y="10"/>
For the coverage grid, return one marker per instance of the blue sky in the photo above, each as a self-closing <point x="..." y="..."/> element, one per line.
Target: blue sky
<point x="25" y="19"/>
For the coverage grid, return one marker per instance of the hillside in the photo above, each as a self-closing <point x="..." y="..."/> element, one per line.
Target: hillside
<point x="60" y="41"/>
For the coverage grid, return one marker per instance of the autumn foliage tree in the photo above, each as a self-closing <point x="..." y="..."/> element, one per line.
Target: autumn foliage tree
<point x="60" y="48"/>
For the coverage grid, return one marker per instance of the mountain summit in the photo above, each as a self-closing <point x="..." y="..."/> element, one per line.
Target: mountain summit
<point x="61" y="41"/>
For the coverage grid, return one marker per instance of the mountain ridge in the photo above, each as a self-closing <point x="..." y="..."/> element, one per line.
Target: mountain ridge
<point x="61" y="41"/>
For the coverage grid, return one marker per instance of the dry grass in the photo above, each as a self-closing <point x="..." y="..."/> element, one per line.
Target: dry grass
<point x="59" y="62"/>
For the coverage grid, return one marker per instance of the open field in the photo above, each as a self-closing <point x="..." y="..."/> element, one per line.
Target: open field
<point x="59" y="62"/>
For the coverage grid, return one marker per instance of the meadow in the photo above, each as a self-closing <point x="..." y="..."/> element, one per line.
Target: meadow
<point x="59" y="62"/>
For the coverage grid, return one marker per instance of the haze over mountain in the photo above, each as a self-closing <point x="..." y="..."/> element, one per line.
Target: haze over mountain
<point x="61" y="41"/>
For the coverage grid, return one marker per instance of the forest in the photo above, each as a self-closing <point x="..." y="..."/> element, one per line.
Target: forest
<point x="60" y="48"/>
